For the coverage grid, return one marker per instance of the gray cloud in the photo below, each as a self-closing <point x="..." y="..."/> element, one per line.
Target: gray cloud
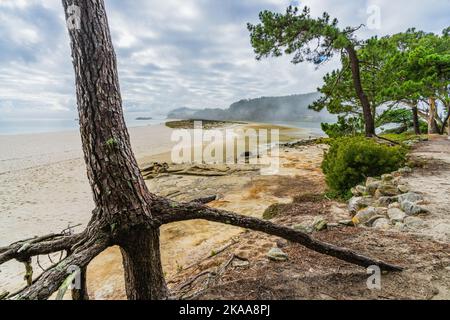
<point x="172" y="53"/>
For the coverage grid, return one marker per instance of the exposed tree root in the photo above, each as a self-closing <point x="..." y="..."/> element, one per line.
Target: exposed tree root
<point x="172" y="212"/>
<point x="51" y="280"/>
<point x="82" y="248"/>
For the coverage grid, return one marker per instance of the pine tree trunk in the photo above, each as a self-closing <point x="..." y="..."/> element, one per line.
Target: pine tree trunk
<point x="432" y="124"/>
<point x="356" y="74"/>
<point x="144" y="278"/>
<point x="120" y="194"/>
<point x="416" y="122"/>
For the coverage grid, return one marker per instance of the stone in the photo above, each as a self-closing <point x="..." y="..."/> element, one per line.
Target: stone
<point x="387" y="177"/>
<point x="364" y="215"/>
<point x="372" y="185"/>
<point x="387" y="189"/>
<point x="377" y="194"/>
<point x="399" y="225"/>
<point x="410" y="196"/>
<point x="276" y="254"/>
<point x="381" y="223"/>
<point x="370" y="222"/>
<point x="332" y="225"/>
<point x="282" y="243"/>
<point x="394" y="205"/>
<point x="371" y="180"/>
<point x="237" y="263"/>
<point x="412" y="209"/>
<point x="361" y="189"/>
<point x="381" y="211"/>
<point x="396" y="215"/>
<point x="319" y="224"/>
<point x="385" y="201"/>
<point x="346" y="223"/>
<point x="404" y="170"/>
<point x="403" y="188"/>
<point x="304" y="229"/>
<point x="357" y="203"/>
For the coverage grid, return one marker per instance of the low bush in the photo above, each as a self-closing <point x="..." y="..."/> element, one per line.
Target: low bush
<point x="350" y="160"/>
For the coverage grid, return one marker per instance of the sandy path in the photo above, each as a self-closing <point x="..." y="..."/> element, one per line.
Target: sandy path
<point x="433" y="180"/>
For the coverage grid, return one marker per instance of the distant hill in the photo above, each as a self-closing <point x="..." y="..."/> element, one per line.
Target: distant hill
<point x="287" y="108"/>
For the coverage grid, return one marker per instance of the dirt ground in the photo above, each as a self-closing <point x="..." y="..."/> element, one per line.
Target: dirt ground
<point x="242" y="270"/>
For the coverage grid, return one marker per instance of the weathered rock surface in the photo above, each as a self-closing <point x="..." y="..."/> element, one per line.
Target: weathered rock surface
<point x="319" y="224"/>
<point x="411" y="197"/>
<point x="276" y="254"/>
<point x="381" y="223"/>
<point x="396" y="215"/>
<point x="388" y="189"/>
<point x="365" y="215"/>
<point x="357" y="203"/>
<point x="411" y="208"/>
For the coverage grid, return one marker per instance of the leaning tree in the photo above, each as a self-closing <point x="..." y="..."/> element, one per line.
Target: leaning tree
<point x="313" y="40"/>
<point x="126" y="214"/>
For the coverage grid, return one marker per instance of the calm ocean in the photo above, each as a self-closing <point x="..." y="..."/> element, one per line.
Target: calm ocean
<point x="27" y="126"/>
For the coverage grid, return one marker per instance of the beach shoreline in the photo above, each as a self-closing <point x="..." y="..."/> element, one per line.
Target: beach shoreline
<point x="44" y="188"/>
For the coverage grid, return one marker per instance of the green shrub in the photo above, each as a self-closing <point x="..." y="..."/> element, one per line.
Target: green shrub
<point x="350" y="160"/>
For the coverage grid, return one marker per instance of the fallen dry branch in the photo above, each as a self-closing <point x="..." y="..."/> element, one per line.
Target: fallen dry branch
<point x="173" y="212"/>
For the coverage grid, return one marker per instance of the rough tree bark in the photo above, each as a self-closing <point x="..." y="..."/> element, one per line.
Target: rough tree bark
<point x="416" y="122"/>
<point x="432" y="124"/>
<point x="356" y="75"/>
<point x="120" y="194"/>
<point x="126" y="213"/>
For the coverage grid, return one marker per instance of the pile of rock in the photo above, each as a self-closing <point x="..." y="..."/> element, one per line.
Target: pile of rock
<point x="386" y="202"/>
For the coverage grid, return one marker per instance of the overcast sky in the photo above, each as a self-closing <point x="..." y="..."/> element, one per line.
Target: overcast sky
<point x="174" y="53"/>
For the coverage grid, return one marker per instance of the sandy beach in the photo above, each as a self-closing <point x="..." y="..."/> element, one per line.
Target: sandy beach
<point x="44" y="189"/>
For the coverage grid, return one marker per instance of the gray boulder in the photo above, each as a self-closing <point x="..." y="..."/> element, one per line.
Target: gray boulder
<point x="365" y="215"/>
<point x="357" y="203"/>
<point x="381" y="223"/>
<point x="385" y="201"/>
<point x="372" y="185"/>
<point x="396" y="215"/>
<point x="411" y="197"/>
<point x="388" y="189"/>
<point x="412" y="209"/>
<point x="394" y="205"/>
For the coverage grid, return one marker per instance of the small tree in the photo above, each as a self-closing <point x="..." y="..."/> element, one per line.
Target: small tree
<point x="313" y="40"/>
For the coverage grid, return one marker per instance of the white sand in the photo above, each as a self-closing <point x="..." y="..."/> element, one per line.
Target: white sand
<point x="43" y="185"/>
